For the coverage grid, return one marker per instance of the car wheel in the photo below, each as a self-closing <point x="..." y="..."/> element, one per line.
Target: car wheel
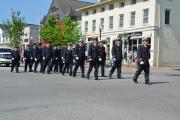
<point x="7" y="65"/>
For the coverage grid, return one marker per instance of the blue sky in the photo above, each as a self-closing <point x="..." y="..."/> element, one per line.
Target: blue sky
<point x="32" y="10"/>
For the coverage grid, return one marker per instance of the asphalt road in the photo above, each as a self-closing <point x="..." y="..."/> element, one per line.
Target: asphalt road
<point x="30" y="96"/>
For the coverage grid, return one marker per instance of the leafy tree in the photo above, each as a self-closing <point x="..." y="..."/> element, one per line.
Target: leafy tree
<point x="14" y="28"/>
<point x="51" y="31"/>
<point x="71" y="32"/>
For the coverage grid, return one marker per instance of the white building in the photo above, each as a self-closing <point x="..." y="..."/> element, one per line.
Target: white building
<point x="158" y="19"/>
<point x="31" y="35"/>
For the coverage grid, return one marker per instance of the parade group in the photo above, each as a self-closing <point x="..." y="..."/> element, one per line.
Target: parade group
<point x="68" y="59"/>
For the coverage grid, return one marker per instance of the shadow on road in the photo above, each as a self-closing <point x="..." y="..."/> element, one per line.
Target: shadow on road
<point x="153" y="83"/>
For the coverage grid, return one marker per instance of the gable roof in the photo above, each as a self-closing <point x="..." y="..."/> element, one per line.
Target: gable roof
<point x="72" y="5"/>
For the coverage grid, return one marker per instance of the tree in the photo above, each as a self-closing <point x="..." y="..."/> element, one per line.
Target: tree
<point x="51" y="31"/>
<point x="71" y="32"/>
<point x="13" y="28"/>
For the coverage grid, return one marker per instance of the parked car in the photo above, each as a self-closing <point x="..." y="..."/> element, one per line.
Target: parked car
<point x="5" y="56"/>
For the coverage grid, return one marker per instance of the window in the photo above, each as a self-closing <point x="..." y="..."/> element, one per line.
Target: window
<point x="102" y="9"/>
<point x="86" y="13"/>
<point x="86" y="26"/>
<point x="26" y="40"/>
<point x="102" y="23"/>
<point x="94" y="11"/>
<point x="167" y="16"/>
<point x="121" y="20"/>
<point x="111" y="22"/>
<point x="133" y="17"/>
<point x="146" y="16"/>
<point x="122" y="4"/>
<point x="94" y="25"/>
<point x="133" y="1"/>
<point x="111" y="6"/>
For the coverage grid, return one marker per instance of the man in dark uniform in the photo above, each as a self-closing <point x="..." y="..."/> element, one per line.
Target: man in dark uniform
<point x="15" y="60"/>
<point x="143" y="56"/>
<point x="54" y="60"/>
<point x="59" y="56"/>
<point x="33" y="56"/>
<point x="102" y="58"/>
<point x="117" y="58"/>
<point x="93" y="58"/>
<point x="38" y="58"/>
<point x="47" y="57"/>
<point x="27" y="58"/>
<point x="68" y="58"/>
<point x="80" y="58"/>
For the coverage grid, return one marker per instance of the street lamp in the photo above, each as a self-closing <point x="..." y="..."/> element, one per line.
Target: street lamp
<point x="100" y="30"/>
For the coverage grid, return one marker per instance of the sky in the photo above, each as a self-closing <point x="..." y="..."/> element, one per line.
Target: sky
<point x="32" y="10"/>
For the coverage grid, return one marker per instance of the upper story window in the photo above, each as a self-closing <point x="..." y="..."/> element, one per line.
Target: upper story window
<point x="94" y="25"/>
<point x="167" y="16"/>
<point x="86" y="26"/>
<point x="111" y="6"/>
<point x="111" y="22"/>
<point x="102" y="23"/>
<point x="133" y="18"/>
<point x="86" y="13"/>
<point x="121" y="20"/>
<point x="146" y="16"/>
<point x="94" y="11"/>
<point x="102" y="9"/>
<point x="122" y="4"/>
<point x="133" y="1"/>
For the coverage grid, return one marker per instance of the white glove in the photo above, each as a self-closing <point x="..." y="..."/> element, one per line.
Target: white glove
<point x="63" y="61"/>
<point x="31" y="58"/>
<point x="62" y="57"/>
<point x="114" y="59"/>
<point x="56" y="58"/>
<point x="24" y="59"/>
<point x="100" y="59"/>
<point x="90" y="59"/>
<point x="35" y="59"/>
<point x="142" y="63"/>
<point x="77" y="58"/>
<point x="12" y="58"/>
<point x="43" y="58"/>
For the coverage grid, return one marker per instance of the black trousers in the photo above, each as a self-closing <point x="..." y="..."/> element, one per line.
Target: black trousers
<point x="36" y="65"/>
<point x="15" y="64"/>
<point x="54" y="65"/>
<point x="59" y="65"/>
<point x="48" y="64"/>
<point x="117" y="65"/>
<point x="141" y="68"/>
<point x="68" y="65"/>
<point x="32" y="63"/>
<point x="27" y="63"/>
<point x="102" y="65"/>
<point x="41" y="65"/>
<point x="77" y="64"/>
<point x="92" y="64"/>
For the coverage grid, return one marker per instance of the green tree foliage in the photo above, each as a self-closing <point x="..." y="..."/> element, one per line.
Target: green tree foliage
<point x="54" y="32"/>
<point x="51" y="31"/>
<point x="71" y="31"/>
<point x="14" y="28"/>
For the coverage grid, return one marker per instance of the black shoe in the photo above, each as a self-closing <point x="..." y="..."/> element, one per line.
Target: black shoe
<point x="103" y="76"/>
<point x="97" y="79"/>
<point x="82" y="76"/>
<point x="120" y="77"/>
<point x="48" y="73"/>
<point x="88" y="77"/>
<point x="135" y="81"/>
<point x="147" y="83"/>
<point x="110" y="76"/>
<point x="31" y="71"/>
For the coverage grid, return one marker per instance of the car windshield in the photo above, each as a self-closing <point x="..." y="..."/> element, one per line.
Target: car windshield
<point x="5" y="56"/>
<point x="5" y="50"/>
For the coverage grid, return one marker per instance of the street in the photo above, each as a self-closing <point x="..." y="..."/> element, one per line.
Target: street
<point x="30" y="96"/>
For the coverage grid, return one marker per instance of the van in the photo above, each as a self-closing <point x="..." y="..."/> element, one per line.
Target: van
<point x="5" y="57"/>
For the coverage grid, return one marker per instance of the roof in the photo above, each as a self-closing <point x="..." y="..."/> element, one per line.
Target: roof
<point x="72" y="5"/>
<point x="95" y="5"/>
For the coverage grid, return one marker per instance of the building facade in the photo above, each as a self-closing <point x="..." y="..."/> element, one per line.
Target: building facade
<point x="158" y="19"/>
<point x="31" y="35"/>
